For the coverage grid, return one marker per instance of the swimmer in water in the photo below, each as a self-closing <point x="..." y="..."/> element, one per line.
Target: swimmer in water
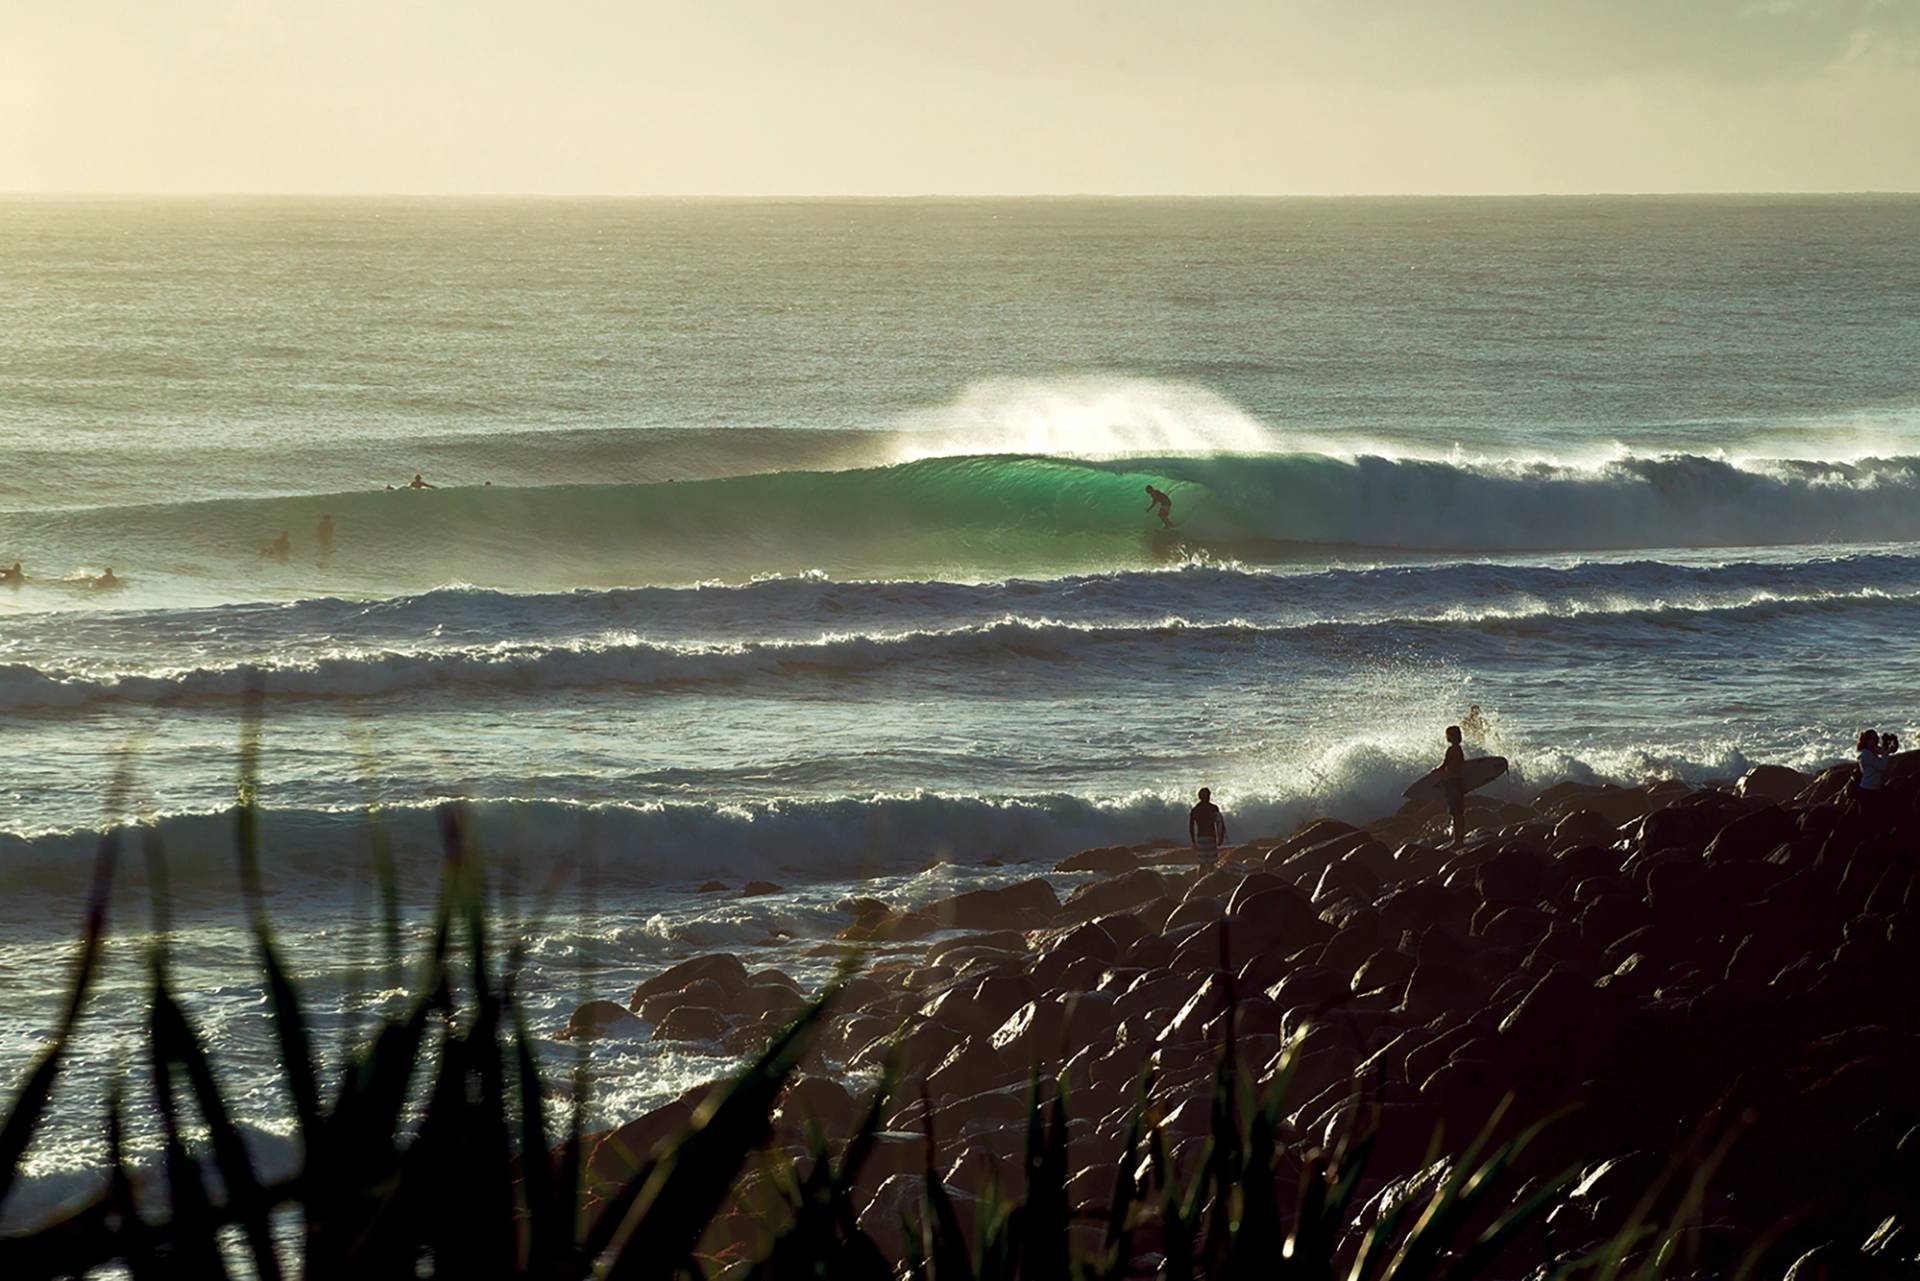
<point x="1161" y="502"/>
<point x="323" y="534"/>
<point x="279" y="549"/>
<point x="107" y="581"/>
<point x="417" y="483"/>
<point x="13" y="577"/>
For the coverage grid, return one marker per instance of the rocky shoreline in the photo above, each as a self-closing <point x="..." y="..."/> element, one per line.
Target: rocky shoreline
<point x="1664" y="969"/>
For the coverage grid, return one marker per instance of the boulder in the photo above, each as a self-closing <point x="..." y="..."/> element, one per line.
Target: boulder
<point x="1753" y="836"/>
<point x="1111" y="860"/>
<point x="1083" y="941"/>
<point x="599" y="1019"/>
<point x="723" y="968"/>
<point x="1022" y="905"/>
<point x="691" y="1023"/>
<point x="1117" y="894"/>
<point x="1512" y="876"/>
<point x="1771" y="783"/>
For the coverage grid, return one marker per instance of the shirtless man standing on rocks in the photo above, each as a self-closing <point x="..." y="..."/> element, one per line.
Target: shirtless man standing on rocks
<point x="1206" y="827"/>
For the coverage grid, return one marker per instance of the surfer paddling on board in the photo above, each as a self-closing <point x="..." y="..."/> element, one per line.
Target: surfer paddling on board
<point x="417" y="483"/>
<point x="1206" y="827"/>
<point x="1157" y="501"/>
<point x="1453" y="781"/>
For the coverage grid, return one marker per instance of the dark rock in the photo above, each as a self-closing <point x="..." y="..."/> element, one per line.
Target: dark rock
<point x="712" y="887"/>
<point x="754" y="889"/>
<point x="1023" y="904"/>
<point x="599" y="1019"/>
<point x="1111" y="859"/>
<point x="1120" y="893"/>
<point x="1753" y="836"/>
<point x="1434" y="989"/>
<point x="1771" y="783"/>
<point x="1518" y="927"/>
<point x="1413" y="908"/>
<point x="1513" y="876"/>
<point x="982" y="1005"/>
<point x="690" y="1023"/>
<point x="1384" y="969"/>
<point x="723" y="968"/>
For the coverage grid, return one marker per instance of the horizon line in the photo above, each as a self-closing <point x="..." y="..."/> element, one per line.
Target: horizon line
<point x="903" y="197"/>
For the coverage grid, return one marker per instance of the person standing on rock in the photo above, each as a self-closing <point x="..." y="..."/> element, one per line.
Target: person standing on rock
<point x="1874" y="753"/>
<point x="1206" y="827"/>
<point x="1454" y="782"/>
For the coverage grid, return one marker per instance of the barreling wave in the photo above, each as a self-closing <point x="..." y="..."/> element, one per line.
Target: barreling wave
<point x="630" y="663"/>
<point x="1001" y="515"/>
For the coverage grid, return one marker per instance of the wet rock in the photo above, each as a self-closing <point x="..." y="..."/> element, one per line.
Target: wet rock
<point x="1752" y="836"/>
<point x="755" y="889"/>
<point x="1512" y="876"/>
<point x="1384" y="969"/>
<point x="1120" y="893"/>
<point x="1110" y="860"/>
<point x="1314" y="987"/>
<point x="712" y="887"/>
<point x="1414" y="908"/>
<point x="981" y="1005"/>
<point x="1771" y="783"/>
<point x="724" y="968"/>
<point x="600" y="1019"/>
<point x="1022" y="905"/>
<point x="1194" y="911"/>
<point x="691" y="1023"/>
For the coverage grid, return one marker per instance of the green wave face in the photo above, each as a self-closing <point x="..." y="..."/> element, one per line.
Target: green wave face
<point x="956" y="517"/>
<point x="978" y="517"/>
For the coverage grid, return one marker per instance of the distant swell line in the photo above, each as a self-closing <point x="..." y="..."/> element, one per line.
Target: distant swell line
<point x="640" y="664"/>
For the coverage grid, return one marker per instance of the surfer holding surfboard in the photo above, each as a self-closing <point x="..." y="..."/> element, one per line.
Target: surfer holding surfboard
<point x="1455" y="777"/>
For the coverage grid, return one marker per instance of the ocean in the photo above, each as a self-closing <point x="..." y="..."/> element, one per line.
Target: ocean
<point x="809" y="541"/>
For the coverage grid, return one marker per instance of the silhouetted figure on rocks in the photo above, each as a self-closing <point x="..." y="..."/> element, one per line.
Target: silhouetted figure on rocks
<point x="1875" y="750"/>
<point x="1455" y="765"/>
<point x="1206" y="827"/>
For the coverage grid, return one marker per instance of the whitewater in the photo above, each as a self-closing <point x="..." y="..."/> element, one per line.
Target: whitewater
<point x="838" y="570"/>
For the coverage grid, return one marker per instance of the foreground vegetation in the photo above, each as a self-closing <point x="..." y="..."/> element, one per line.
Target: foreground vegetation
<point x="477" y="1180"/>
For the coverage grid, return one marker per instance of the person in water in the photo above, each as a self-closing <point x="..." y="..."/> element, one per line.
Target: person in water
<point x="1453" y="781"/>
<point x="1474" y="728"/>
<point x="279" y="549"/>
<point x="13" y="577"/>
<point x="323" y="534"/>
<point x="1206" y="826"/>
<point x="1157" y="501"/>
<point x="107" y="581"/>
<point x="417" y="483"/>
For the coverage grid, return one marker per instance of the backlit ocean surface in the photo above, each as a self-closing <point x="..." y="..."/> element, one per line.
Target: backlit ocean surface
<point x="809" y="541"/>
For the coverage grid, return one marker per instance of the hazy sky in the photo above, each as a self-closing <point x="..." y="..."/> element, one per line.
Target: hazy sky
<point x="959" y="96"/>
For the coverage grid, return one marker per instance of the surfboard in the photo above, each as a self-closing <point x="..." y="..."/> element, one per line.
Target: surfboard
<point x="1479" y="771"/>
